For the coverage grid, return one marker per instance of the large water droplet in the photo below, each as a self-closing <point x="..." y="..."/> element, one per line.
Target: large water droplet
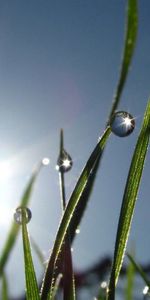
<point x="64" y="162"/>
<point x="122" y="123"/>
<point x="22" y="212"/>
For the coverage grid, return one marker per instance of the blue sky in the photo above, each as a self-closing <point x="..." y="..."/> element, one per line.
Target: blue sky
<point x="59" y="65"/>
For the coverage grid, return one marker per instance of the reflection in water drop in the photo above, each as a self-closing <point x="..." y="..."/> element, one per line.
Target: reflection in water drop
<point x="64" y="162"/>
<point x="122" y="123"/>
<point x="22" y="212"/>
<point x="45" y="161"/>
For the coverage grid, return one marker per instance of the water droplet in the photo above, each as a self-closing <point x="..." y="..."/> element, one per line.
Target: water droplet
<point x="64" y="162"/>
<point x="45" y="161"/>
<point x="122" y="123"/>
<point x="77" y="230"/>
<point x="103" y="289"/>
<point x="22" y="212"/>
<point x="104" y="285"/>
<point x="146" y="292"/>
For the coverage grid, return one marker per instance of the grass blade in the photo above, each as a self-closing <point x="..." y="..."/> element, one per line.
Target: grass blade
<point x="32" y="291"/>
<point x="139" y="270"/>
<point x="4" y="288"/>
<point x="66" y="255"/>
<point x="130" y="281"/>
<point x="129" y="45"/>
<point x="38" y="251"/>
<point x="129" y="200"/>
<point x="56" y="286"/>
<point x="70" y="210"/>
<point x="14" y="230"/>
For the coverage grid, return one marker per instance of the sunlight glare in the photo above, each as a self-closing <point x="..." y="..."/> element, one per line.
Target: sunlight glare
<point x="5" y="170"/>
<point x="127" y="122"/>
<point x="66" y="163"/>
<point x="6" y="214"/>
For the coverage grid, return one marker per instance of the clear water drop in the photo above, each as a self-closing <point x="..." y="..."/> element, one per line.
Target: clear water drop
<point x="22" y="212"/>
<point x="122" y="123"/>
<point x="64" y="162"/>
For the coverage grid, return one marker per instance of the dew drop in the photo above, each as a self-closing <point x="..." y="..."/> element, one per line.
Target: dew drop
<point x="77" y="230"/>
<point x="146" y="292"/>
<point x="103" y="289"/>
<point x="104" y="285"/>
<point x="45" y="161"/>
<point x="22" y="212"/>
<point x="122" y="123"/>
<point x="64" y="162"/>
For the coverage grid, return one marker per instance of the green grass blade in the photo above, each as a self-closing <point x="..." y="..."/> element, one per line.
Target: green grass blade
<point x="130" y="281"/>
<point x="32" y="291"/>
<point x="129" y="200"/>
<point x="14" y="230"/>
<point x="70" y="210"/>
<point x="4" y="288"/>
<point x="66" y="255"/>
<point x="37" y="251"/>
<point x="56" y="287"/>
<point x="129" y="45"/>
<point x="139" y="270"/>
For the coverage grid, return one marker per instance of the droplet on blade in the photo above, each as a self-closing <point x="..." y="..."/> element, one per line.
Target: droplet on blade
<point x="146" y="292"/>
<point x="22" y="212"/>
<point x="64" y="162"/>
<point x="45" y="161"/>
<point x="104" y="285"/>
<point x="122" y="123"/>
<point x="77" y="230"/>
<point x="103" y="289"/>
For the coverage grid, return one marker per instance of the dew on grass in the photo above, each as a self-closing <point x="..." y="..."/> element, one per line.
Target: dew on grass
<point x="45" y="161"/>
<point x="103" y="289"/>
<point x="64" y="162"/>
<point x="104" y="285"/>
<point x="122" y="123"/>
<point x="146" y="293"/>
<point x="77" y="230"/>
<point x="20" y="213"/>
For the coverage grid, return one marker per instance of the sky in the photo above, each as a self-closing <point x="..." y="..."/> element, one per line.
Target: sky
<point x="59" y="66"/>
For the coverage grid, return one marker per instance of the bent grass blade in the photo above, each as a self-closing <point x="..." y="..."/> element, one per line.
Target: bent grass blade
<point x="70" y="210"/>
<point x="129" y="200"/>
<point x="14" y="230"/>
<point x="128" y="51"/>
